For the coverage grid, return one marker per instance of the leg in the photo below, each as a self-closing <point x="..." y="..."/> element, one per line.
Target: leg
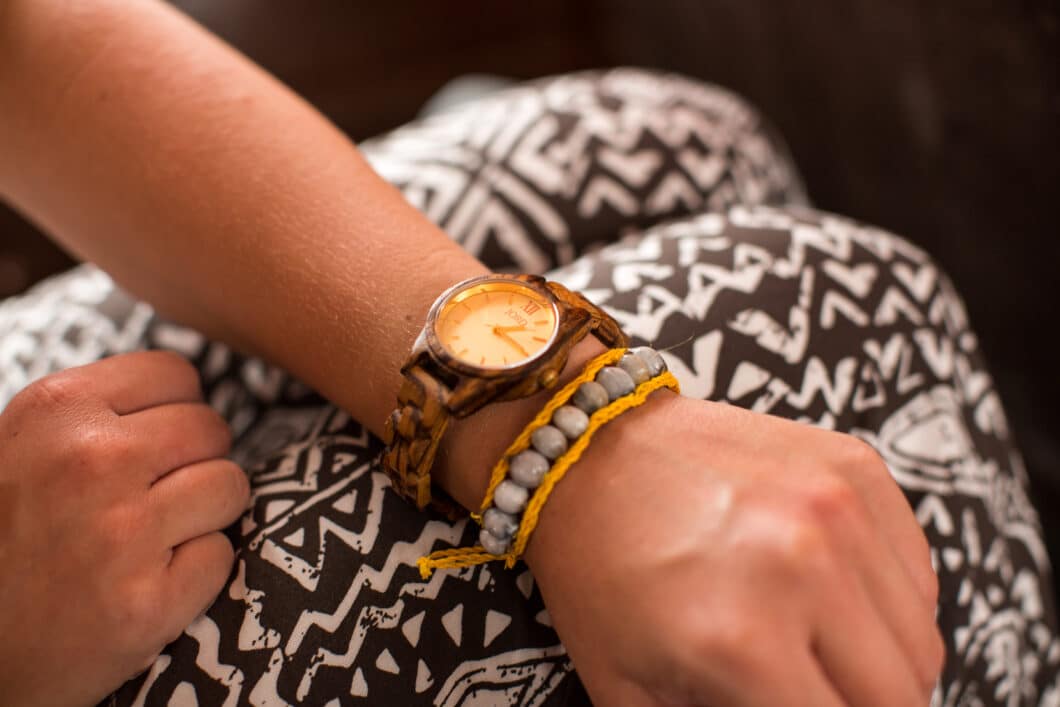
<point x="325" y="601"/>
<point x="815" y="318"/>
<point x="584" y="157"/>
<point x="789" y="312"/>
<point x="536" y="175"/>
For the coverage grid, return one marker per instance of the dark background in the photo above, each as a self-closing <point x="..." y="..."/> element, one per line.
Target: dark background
<point x="935" y="120"/>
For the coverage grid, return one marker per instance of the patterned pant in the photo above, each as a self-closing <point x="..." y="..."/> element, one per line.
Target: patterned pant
<point x="672" y="205"/>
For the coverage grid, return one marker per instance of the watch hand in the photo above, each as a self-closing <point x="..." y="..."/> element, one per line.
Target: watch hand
<point x="499" y="331"/>
<point x="516" y="344"/>
<point x="505" y="329"/>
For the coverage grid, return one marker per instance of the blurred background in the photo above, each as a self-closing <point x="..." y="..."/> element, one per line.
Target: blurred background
<point x="935" y="120"/>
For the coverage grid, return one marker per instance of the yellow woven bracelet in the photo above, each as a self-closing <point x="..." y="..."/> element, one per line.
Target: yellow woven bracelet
<point x="469" y="556"/>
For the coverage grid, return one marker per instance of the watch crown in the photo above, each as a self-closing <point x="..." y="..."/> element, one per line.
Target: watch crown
<point x="548" y="378"/>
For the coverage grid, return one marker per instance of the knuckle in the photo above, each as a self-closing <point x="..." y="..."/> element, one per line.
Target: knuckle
<point x="175" y="366"/>
<point x="140" y="610"/>
<point x="112" y="444"/>
<point x="57" y="391"/>
<point x="238" y="486"/>
<point x="855" y="454"/>
<point x="95" y="447"/>
<point x="228" y="558"/>
<point x="725" y="640"/>
<point x="121" y="526"/>
<point x="786" y="544"/>
<point x="831" y="502"/>
<point x="218" y="428"/>
<point x="169" y="359"/>
<point x="803" y="547"/>
<point x="88" y="440"/>
<point x="220" y="556"/>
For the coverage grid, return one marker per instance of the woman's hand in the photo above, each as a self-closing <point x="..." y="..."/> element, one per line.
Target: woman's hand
<point x="702" y="554"/>
<point x="112" y="490"/>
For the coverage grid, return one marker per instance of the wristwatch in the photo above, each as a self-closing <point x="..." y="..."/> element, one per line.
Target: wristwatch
<point x="487" y="339"/>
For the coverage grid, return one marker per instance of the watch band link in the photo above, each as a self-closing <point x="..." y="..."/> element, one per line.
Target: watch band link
<point x="412" y="434"/>
<point x="415" y="428"/>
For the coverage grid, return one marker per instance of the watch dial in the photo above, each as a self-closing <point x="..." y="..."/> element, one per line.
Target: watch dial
<point x="496" y="324"/>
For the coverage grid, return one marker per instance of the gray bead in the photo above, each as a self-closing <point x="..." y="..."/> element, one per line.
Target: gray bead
<point x="510" y="497"/>
<point x="549" y="441"/>
<point x="502" y="525"/>
<point x="527" y="468"/>
<point x="589" y="397"/>
<point x="492" y="544"/>
<point x="615" y="381"/>
<point x="570" y="421"/>
<point x="636" y="368"/>
<point x="652" y="358"/>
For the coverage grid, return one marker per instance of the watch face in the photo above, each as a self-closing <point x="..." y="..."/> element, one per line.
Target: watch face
<point x="496" y="324"/>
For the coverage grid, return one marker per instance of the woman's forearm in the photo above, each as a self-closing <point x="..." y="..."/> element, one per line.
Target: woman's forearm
<point x="204" y="186"/>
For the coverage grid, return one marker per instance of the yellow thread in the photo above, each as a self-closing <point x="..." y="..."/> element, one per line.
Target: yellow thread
<point x="469" y="556"/>
<point x="599" y="418"/>
<point x="453" y="558"/>
<point x="500" y="469"/>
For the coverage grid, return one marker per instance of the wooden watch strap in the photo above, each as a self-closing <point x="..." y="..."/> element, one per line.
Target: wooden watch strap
<point x="602" y="325"/>
<point x="415" y="428"/>
<point x="412" y="434"/>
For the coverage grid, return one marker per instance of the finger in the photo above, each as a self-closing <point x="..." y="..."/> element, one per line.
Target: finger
<point x="894" y="593"/>
<point x="198" y="499"/>
<point x="793" y="681"/>
<point x="894" y="516"/>
<point x="195" y="576"/>
<point x="782" y="671"/>
<point x="858" y="652"/>
<point x="778" y="671"/>
<point x="136" y="381"/>
<point x="173" y="436"/>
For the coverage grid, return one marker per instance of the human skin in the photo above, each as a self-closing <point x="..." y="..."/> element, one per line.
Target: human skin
<point x="113" y="489"/>
<point x="208" y="189"/>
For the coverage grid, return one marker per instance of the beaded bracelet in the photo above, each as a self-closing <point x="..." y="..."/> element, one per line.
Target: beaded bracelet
<point x="524" y="477"/>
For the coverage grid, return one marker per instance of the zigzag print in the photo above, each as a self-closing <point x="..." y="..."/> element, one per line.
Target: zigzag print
<point x="712" y="255"/>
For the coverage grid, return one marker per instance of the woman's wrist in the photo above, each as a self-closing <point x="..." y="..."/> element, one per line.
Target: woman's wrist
<point x="472" y="445"/>
<point x="594" y="468"/>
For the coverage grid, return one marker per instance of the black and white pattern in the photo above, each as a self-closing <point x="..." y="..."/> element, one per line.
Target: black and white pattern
<point x="536" y="175"/>
<point x="766" y="304"/>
